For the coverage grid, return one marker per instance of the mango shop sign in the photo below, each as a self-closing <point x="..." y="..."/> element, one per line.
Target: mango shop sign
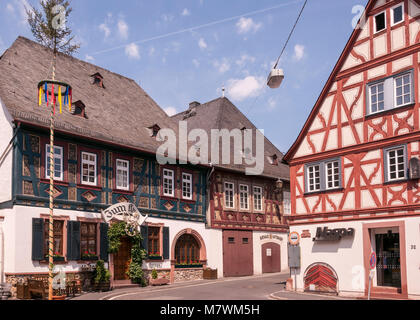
<point x="325" y="234"/>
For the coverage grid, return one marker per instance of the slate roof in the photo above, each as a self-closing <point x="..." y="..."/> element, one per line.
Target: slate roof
<point x="220" y="114"/>
<point x="120" y="113"/>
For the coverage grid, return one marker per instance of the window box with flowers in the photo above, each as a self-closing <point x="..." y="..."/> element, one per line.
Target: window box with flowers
<point x="189" y="265"/>
<point x="154" y="256"/>
<point x="56" y="257"/>
<point x="89" y="256"/>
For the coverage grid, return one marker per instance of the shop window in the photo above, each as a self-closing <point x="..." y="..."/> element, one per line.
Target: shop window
<point x="154" y="241"/>
<point x="229" y="195"/>
<point x="168" y="183"/>
<point x="395" y="163"/>
<point x="58" y="163"/>
<point x="88" y="174"/>
<point x="88" y="239"/>
<point x="122" y="174"/>
<point x="187" y="186"/>
<point x="58" y="240"/>
<point x="258" y="198"/>
<point x="243" y="197"/>
<point x="187" y="250"/>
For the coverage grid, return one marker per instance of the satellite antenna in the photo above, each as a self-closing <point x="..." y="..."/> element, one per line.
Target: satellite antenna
<point x="276" y="76"/>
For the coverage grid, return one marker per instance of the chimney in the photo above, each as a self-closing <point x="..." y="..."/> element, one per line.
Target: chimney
<point x="194" y="104"/>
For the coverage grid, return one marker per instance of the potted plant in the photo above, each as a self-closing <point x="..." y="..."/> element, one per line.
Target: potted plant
<point x="155" y="281"/>
<point x="90" y="256"/>
<point x="101" y="277"/>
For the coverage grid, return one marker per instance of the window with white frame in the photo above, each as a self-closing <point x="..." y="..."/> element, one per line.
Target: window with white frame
<point x="257" y="198"/>
<point x="403" y="90"/>
<point x="88" y="175"/>
<point x="393" y="92"/>
<point x="122" y="174"/>
<point x="380" y="22"/>
<point x="243" y="197"/>
<point x="286" y="202"/>
<point x="229" y="195"/>
<point x="395" y="164"/>
<point x="168" y="183"/>
<point x="58" y="163"/>
<point x="323" y="176"/>
<point x="397" y="14"/>
<point x="187" y="186"/>
<point x="314" y="178"/>
<point x="332" y="172"/>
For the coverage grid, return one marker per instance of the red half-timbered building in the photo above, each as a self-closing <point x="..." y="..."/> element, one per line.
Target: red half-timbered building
<point x="354" y="167"/>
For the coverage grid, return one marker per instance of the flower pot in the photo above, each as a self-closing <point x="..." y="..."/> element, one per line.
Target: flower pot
<point x="158" y="282"/>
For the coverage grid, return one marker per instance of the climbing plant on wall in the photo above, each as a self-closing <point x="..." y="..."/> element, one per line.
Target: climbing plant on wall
<point x="115" y="232"/>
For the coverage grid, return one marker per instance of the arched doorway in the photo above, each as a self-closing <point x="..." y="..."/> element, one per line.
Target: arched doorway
<point x="270" y="254"/>
<point x="187" y="250"/>
<point x="322" y="278"/>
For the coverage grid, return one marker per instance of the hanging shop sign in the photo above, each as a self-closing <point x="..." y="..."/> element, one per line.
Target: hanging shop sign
<point x="128" y="213"/>
<point x="325" y="234"/>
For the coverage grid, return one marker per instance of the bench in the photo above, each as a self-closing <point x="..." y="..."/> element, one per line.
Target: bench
<point x="38" y="287"/>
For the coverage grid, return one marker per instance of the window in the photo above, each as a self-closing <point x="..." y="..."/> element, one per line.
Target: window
<point x="89" y="169"/>
<point x="245" y="240"/>
<point x="88" y="239"/>
<point x="377" y="97"/>
<point x="58" y="239"/>
<point x="258" y="199"/>
<point x="187" y="186"/>
<point x="229" y="196"/>
<point x="187" y="250"/>
<point x="397" y="14"/>
<point x="392" y="92"/>
<point x="58" y="163"/>
<point x="168" y="183"/>
<point x="403" y="88"/>
<point x="325" y="175"/>
<point x="154" y="241"/>
<point x="332" y="174"/>
<point x="314" y="178"/>
<point x="286" y="202"/>
<point x="395" y="164"/>
<point x="122" y="174"/>
<point x="231" y="240"/>
<point x="380" y="22"/>
<point x="243" y="197"/>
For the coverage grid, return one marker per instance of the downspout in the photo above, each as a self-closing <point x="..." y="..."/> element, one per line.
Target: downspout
<point x="1" y="251"/>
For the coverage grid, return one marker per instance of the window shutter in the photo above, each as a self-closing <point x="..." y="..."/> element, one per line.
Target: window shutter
<point x="103" y="229"/>
<point x="165" y="242"/>
<point x="37" y="239"/>
<point x="144" y="230"/>
<point x="73" y="240"/>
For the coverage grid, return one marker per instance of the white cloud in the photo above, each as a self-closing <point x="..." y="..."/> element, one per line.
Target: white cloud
<point x="245" y="25"/>
<point x="10" y="8"/>
<point x="272" y="103"/>
<point x="299" y="52"/>
<point x="186" y="12"/>
<point x="222" y="66"/>
<point x="170" y="111"/>
<point x="89" y="58"/>
<point x="202" y="44"/>
<point x="132" y="51"/>
<point x="244" y="59"/>
<point x="196" y="63"/>
<point x="103" y="27"/>
<point x="123" y="29"/>
<point x="241" y="89"/>
<point x="20" y="6"/>
<point x="167" y="17"/>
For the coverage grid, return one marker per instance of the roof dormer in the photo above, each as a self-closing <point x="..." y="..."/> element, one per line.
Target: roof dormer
<point x="78" y="108"/>
<point x="98" y="80"/>
<point x="154" y="130"/>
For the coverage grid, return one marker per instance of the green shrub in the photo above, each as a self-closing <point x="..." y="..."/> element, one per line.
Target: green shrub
<point x="154" y="274"/>
<point x="102" y="275"/>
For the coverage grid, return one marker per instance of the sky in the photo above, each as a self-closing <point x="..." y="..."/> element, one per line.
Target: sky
<point x="188" y="50"/>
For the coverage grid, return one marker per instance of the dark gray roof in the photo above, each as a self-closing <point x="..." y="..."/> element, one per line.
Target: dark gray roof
<point x="120" y="113"/>
<point x="220" y="114"/>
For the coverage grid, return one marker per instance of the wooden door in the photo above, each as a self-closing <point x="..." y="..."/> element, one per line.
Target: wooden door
<point x="122" y="260"/>
<point x="237" y="253"/>
<point x="270" y="253"/>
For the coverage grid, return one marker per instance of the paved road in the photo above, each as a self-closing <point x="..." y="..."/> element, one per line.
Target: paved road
<point x="247" y="288"/>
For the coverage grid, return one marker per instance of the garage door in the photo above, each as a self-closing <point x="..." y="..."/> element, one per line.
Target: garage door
<point x="237" y="253"/>
<point x="270" y="253"/>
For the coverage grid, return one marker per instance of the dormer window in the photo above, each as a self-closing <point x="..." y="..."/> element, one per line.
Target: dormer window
<point x="98" y="80"/>
<point x="154" y="130"/>
<point x="380" y="22"/>
<point x="79" y="109"/>
<point x="273" y="160"/>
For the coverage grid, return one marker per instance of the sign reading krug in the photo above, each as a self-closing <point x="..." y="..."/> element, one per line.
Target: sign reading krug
<point x="325" y="234"/>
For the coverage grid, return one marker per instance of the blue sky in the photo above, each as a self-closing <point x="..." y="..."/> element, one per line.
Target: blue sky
<point x="187" y="50"/>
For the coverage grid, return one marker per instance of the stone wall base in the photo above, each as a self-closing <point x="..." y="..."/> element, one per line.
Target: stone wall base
<point x="188" y="274"/>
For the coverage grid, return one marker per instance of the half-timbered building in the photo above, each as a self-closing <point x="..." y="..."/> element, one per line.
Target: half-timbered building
<point x="248" y="209"/>
<point x="105" y="153"/>
<point x="355" y="185"/>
